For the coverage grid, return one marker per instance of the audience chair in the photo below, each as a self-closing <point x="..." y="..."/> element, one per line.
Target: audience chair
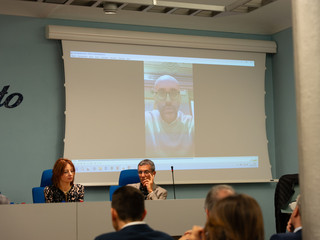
<point x="37" y="192"/>
<point x="284" y="192"/>
<point x="46" y="178"/>
<point x="126" y="177"/>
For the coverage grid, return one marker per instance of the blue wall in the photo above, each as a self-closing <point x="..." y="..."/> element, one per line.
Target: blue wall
<point x="32" y="133"/>
<point x="286" y="143"/>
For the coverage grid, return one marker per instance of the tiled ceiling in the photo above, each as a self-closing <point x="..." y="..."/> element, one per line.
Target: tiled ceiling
<point x="195" y="8"/>
<point x="239" y="16"/>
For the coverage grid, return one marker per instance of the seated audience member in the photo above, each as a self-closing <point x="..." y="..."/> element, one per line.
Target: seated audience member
<point x="294" y="226"/>
<point x="216" y="193"/>
<point x="147" y="186"/>
<point x="63" y="189"/>
<point x="4" y="199"/>
<point x="236" y="217"/>
<point x="127" y="214"/>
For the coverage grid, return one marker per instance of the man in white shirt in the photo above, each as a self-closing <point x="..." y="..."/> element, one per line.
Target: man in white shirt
<point x="169" y="132"/>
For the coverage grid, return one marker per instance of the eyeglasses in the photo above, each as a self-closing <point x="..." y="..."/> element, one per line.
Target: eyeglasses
<point x="146" y="172"/>
<point x="162" y="94"/>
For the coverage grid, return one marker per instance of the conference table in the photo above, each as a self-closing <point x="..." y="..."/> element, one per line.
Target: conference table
<point x="86" y="220"/>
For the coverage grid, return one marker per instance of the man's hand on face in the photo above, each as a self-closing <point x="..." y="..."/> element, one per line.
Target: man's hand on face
<point x="148" y="182"/>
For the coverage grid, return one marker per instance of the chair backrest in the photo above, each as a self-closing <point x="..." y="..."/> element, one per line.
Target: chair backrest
<point x="112" y="189"/>
<point x="284" y="191"/>
<point x="38" y="195"/>
<point x="128" y="176"/>
<point x="37" y="192"/>
<point x="46" y="178"/>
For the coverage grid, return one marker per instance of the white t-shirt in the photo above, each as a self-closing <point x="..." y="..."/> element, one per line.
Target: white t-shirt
<point x="173" y="139"/>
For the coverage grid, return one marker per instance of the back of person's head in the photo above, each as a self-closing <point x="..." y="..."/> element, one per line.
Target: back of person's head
<point x="58" y="170"/>
<point x="129" y="203"/>
<point x="216" y="193"/>
<point x="147" y="162"/>
<point x="237" y="217"/>
<point x="4" y="199"/>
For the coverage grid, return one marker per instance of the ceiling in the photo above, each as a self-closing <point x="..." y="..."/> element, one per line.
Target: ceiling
<point x="239" y="16"/>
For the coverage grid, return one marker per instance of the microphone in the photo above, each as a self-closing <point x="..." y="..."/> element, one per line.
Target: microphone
<point x="174" y="187"/>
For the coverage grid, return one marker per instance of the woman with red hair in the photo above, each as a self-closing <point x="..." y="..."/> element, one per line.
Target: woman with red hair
<point x="63" y="189"/>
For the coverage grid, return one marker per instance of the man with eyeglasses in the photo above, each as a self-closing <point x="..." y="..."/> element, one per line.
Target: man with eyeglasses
<point x="169" y="132"/>
<point x="147" y="186"/>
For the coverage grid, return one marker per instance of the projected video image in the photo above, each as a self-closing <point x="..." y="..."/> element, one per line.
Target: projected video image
<point x="169" y="113"/>
<point x="198" y="112"/>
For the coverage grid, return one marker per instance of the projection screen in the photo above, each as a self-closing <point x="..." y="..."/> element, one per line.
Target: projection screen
<point x="209" y="125"/>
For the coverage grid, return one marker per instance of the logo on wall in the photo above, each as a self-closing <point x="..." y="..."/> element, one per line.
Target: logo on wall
<point x="11" y="101"/>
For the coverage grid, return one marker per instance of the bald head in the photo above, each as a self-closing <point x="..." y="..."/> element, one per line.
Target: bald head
<point x="166" y="82"/>
<point x="167" y="97"/>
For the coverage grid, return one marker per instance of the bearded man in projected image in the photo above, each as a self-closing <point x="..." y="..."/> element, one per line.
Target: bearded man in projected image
<point x="169" y="132"/>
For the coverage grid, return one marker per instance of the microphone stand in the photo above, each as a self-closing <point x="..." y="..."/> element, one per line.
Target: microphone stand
<point x="173" y="185"/>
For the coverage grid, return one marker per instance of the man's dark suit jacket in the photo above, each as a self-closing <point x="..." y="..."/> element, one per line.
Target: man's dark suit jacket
<point x="287" y="236"/>
<point x="135" y="232"/>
